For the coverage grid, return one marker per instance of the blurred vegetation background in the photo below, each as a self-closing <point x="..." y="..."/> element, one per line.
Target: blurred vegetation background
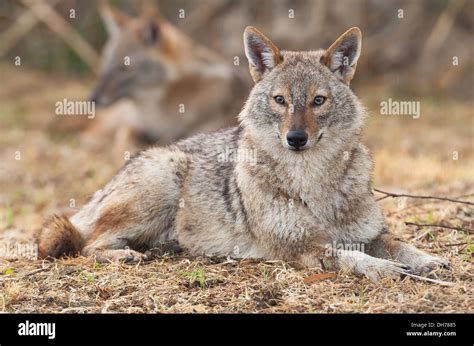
<point x="412" y="47"/>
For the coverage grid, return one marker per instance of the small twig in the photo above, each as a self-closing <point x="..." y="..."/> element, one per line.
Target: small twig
<point x="382" y="198"/>
<point x="396" y="195"/>
<point x="456" y="244"/>
<point x="422" y="278"/>
<point x="35" y="272"/>
<point x="421" y="236"/>
<point x="442" y="226"/>
<point x="421" y="203"/>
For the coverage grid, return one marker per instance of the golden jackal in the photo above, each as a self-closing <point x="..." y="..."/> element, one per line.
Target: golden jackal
<point x="291" y="183"/>
<point x="178" y="87"/>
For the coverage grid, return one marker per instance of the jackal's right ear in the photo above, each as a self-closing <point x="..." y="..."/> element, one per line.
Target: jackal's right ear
<point x="261" y="53"/>
<point x="114" y="19"/>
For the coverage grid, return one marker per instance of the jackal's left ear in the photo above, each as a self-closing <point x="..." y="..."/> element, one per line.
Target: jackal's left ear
<point x="261" y="53"/>
<point x="342" y="56"/>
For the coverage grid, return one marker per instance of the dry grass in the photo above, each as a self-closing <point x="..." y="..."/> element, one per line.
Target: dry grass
<point x="185" y="284"/>
<point x="413" y="156"/>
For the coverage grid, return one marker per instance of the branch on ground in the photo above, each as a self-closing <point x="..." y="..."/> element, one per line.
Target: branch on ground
<point x="463" y="229"/>
<point x="397" y="195"/>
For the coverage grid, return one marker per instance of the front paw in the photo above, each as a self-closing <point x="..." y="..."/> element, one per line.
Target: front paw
<point x="424" y="263"/>
<point x="374" y="268"/>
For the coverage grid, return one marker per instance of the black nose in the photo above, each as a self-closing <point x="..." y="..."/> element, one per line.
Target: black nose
<point x="297" y="139"/>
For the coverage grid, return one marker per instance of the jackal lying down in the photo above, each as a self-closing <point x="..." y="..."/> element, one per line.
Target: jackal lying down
<point x="291" y="183"/>
<point x="177" y="86"/>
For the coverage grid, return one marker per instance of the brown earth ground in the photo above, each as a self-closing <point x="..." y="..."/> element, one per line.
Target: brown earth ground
<point x="411" y="156"/>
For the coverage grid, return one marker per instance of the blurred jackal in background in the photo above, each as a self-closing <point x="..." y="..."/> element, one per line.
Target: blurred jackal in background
<point x="291" y="183"/>
<point x="177" y="86"/>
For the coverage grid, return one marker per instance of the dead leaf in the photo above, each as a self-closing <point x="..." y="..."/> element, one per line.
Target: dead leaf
<point x="318" y="277"/>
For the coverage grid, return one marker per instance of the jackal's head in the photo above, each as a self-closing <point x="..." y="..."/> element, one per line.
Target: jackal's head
<point x="302" y="99"/>
<point x="141" y="54"/>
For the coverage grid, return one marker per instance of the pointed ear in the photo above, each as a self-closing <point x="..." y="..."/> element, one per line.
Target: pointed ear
<point x="342" y="56"/>
<point x="150" y="14"/>
<point x="151" y="31"/>
<point x="261" y="53"/>
<point x="114" y="20"/>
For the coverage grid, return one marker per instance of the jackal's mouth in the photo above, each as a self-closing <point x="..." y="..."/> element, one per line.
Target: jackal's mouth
<point x="319" y="138"/>
<point x="297" y="149"/>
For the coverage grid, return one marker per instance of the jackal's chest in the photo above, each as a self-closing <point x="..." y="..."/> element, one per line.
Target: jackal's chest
<point x="313" y="215"/>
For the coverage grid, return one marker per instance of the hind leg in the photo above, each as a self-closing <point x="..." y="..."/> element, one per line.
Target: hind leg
<point x="136" y="210"/>
<point x="387" y="246"/>
<point x="112" y="251"/>
<point x="117" y="251"/>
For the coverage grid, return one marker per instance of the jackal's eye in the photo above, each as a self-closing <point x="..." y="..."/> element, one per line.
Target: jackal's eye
<point x="279" y="99"/>
<point x="319" y="100"/>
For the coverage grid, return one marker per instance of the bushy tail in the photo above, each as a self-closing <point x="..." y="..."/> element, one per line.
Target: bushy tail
<point x="58" y="237"/>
